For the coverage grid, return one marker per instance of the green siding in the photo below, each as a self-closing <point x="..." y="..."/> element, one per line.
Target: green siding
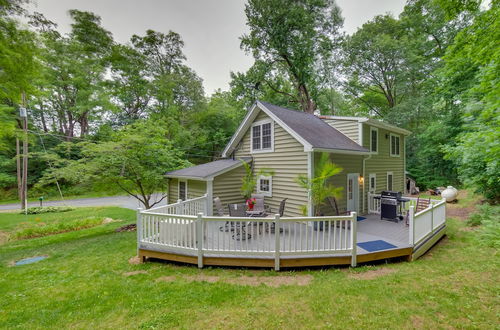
<point x="349" y="128"/>
<point x="383" y="162"/>
<point x="288" y="161"/>
<point x="227" y="187"/>
<point x="349" y="164"/>
<point x="195" y="189"/>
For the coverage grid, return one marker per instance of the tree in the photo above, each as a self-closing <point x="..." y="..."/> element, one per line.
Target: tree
<point x="471" y="70"/>
<point x="135" y="159"/>
<point x="318" y="186"/>
<point x="249" y="180"/>
<point x="295" y="40"/>
<point x="375" y="61"/>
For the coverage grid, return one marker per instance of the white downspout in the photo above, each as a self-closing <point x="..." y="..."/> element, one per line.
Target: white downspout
<point x="364" y="180"/>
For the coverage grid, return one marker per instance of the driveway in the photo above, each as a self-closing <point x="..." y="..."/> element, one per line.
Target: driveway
<point x="122" y="201"/>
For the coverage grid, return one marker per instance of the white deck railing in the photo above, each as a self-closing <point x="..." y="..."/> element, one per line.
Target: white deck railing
<point x="272" y="237"/>
<point x="422" y="224"/>
<point x="426" y="222"/>
<point x="188" y="207"/>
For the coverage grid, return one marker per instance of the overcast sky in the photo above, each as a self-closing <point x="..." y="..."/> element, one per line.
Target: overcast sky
<point x="209" y="28"/>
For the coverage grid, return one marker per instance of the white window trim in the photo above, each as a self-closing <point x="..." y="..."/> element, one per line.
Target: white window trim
<point x="265" y="193"/>
<point x="371" y="130"/>
<point x="390" y="145"/>
<point x="370" y="176"/>
<point x="179" y="189"/>
<point x="260" y="123"/>
<point x="387" y="180"/>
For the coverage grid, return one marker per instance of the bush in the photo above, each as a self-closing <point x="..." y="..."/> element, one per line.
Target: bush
<point x="42" y="229"/>
<point x="489" y="218"/>
<point x="48" y="209"/>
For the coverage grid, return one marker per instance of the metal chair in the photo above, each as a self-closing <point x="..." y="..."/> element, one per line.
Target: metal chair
<point x="218" y="207"/>
<point x="238" y="227"/>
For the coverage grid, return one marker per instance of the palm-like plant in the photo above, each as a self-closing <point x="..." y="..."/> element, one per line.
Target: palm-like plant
<point x="318" y="186"/>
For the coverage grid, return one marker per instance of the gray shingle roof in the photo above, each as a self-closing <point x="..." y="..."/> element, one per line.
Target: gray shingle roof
<point x="314" y="130"/>
<point x="207" y="170"/>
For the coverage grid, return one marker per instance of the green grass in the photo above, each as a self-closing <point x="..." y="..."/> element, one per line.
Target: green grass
<point x="81" y="285"/>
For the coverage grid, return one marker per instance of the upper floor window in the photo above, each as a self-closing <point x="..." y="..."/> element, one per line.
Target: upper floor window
<point x="373" y="140"/>
<point x="395" y="145"/>
<point x="262" y="136"/>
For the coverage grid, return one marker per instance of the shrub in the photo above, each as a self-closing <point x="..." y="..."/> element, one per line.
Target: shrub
<point x="489" y="218"/>
<point x="48" y="209"/>
<point x="42" y="229"/>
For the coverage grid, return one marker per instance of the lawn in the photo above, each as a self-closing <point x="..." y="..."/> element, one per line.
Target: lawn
<point x="82" y="284"/>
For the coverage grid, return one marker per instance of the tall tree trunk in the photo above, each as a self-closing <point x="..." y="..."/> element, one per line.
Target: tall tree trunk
<point x="42" y="117"/>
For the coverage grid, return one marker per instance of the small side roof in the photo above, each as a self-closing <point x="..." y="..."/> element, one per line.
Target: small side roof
<point x="308" y="129"/>
<point x="370" y="121"/>
<point x="207" y="171"/>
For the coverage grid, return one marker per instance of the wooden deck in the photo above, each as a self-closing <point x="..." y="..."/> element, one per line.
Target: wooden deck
<point x="369" y="229"/>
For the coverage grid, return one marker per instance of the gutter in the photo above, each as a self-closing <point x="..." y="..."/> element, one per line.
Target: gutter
<point x="364" y="180"/>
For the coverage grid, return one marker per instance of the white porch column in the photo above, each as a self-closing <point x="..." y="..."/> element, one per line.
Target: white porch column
<point x="310" y="175"/>
<point x="210" y="198"/>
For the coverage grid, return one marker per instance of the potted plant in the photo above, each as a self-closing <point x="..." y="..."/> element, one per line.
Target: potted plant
<point x="250" y="203"/>
<point x="249" y="180"/>
<point x="318" y="186"/>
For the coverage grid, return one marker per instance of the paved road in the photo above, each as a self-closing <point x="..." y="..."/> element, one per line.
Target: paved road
<point x="123" y="201"/>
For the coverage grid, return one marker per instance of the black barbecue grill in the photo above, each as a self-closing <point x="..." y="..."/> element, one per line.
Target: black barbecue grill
<point x="390" y="205"/>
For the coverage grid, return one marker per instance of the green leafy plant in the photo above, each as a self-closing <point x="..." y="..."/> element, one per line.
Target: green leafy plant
<point x="33" y="230"/>
<point x="249" y="181"/>
<point x="318" y="186"/>
<point x="48" y="209"/>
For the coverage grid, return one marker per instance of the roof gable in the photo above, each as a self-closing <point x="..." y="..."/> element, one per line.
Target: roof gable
<point x="312" y="132"/>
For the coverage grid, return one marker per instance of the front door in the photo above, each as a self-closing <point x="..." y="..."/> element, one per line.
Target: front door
<point x="352" y="192"/>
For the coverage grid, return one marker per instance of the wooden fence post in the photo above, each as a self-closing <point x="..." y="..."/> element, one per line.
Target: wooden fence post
<point x="277" y="229"/>
<point x="354" y="238"/>
<point x="199" y="239"/>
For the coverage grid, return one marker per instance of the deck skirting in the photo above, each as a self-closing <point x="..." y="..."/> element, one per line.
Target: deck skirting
<point x="269" y="261"/>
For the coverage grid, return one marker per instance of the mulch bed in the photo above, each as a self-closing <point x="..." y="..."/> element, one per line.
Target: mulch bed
<point x="131" y="227"/>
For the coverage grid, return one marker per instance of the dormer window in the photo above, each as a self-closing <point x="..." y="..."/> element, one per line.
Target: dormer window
<point x="262" y="137"/>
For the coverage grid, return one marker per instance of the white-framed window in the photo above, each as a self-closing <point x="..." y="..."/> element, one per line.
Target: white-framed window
<point x="182" y="189"/>
<point x="262" y="136"/>
<point x="265" y="185"/>
<point x="390" y="179"/>
<point x="374" y="140"/>
<point x="395" y="145"/>
<point x="372" y="182"/>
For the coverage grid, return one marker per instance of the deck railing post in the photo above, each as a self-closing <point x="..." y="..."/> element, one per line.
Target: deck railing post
<point x="277" y="229"/>
<point x="411" y="216"/>
<point x="432" y="217"/>
<point x="139" y="228"/>
<point x="354" y="238"/>
<point x="199" y="239"/>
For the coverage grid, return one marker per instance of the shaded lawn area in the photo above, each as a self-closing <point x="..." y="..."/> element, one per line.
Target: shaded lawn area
<point x="82" y="285"/>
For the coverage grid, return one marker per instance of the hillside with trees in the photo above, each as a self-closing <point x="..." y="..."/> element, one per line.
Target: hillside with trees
<point x="104" y="115"/>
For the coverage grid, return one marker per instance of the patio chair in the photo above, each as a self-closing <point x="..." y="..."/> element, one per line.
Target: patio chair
<point x="218" y="207"/>
<point x="238" y="227"/>
<point x="267" y="209"/>
<point x="422" y="204"/>
<point x="335" y="207"/>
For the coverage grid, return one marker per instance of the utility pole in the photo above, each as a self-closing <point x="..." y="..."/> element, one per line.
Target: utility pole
<point x="24" y="176"/>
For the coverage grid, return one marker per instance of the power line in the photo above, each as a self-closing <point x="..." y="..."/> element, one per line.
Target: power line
<point x="178" y="148"/>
